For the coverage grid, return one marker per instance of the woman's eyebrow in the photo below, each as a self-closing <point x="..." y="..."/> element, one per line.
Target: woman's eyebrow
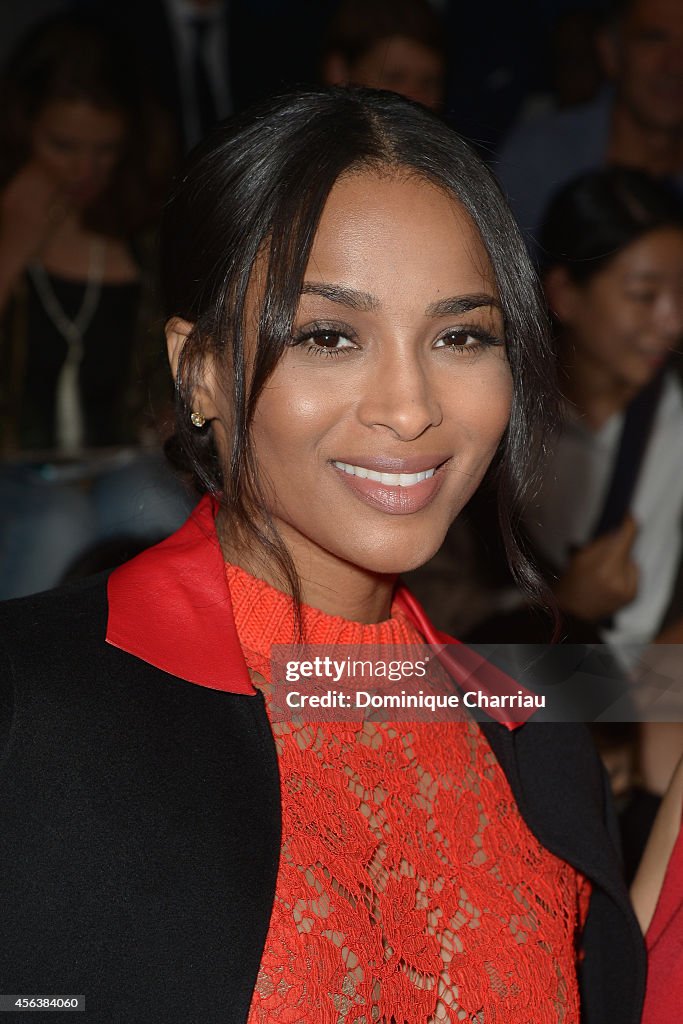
<point x="363" y="302"/>
<point x="457" y="304"/>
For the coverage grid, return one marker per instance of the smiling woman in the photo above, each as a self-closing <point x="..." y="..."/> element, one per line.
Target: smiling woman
<point x="356" y="336"/>
<point x="324" y="435"/>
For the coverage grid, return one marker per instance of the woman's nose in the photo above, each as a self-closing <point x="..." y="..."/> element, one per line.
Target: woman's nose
<point x="401" y="397"/>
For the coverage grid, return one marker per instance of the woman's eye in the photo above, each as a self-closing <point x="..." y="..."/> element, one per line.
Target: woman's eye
<point x="331" y="340"/>
<point x="324" y="342"/>
<point x="458" y="340"/>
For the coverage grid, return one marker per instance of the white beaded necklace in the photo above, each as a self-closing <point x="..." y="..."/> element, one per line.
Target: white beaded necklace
<point x="69" y="426"/>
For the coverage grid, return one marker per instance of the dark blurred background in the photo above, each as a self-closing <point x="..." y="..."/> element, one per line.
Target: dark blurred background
<point x="503" y="60"/>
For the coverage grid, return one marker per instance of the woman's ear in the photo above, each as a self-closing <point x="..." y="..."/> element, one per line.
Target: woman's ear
<point x="177" y="333"/>
<point x="562" y="294"/>
<point x="204" y="396"/>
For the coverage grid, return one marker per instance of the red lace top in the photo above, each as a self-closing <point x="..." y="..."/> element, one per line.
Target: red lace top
<point x="409" y="890"/>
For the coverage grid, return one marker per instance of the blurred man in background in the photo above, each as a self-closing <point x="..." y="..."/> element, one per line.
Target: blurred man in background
<point x="387" y="44"/>
<point x="638" y="121"/>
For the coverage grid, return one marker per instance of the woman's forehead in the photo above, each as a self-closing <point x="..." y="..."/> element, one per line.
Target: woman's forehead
<point x="380" y="232"/>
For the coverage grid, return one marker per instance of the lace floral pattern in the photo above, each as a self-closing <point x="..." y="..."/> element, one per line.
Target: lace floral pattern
<point x="410" y="889"/>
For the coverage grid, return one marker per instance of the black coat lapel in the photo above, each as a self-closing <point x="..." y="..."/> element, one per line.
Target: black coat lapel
<point x="558" y="783"/>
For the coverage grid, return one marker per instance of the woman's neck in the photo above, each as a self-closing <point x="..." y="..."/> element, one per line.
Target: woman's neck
<point x="594" y="391"/>
<point x="327" y="582"/>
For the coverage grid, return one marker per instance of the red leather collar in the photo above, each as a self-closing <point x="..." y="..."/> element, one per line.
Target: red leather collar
<point x="171" y="607"/>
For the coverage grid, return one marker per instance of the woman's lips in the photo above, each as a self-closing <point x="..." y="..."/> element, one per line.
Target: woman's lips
<point x="397" y="493"/>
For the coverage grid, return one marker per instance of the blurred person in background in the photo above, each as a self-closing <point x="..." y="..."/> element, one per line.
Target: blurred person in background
<point x="608" y="519"/>
<point x="83" y="170"/>
<point x="637" y="122"/>
<point x="607" y="522"/>
<point x="387" y="44"/>
<point x="613" y="246"/>
<point x="185" y="52"/>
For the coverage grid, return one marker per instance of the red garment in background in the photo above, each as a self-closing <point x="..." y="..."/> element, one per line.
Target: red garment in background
<point x="664" y="940"/>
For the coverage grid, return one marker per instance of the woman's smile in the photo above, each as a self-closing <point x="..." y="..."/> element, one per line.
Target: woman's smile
<point x="399" y="492"/>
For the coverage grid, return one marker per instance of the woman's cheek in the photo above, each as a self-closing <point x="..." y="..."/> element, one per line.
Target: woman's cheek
<point x="489" y="403"/>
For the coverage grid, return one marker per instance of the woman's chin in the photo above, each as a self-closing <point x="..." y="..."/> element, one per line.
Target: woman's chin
<point x="393" y="562"/>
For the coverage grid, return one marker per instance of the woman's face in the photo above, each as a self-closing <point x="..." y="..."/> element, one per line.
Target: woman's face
<point x="79" y="146"/>
<point x="383" y="415"/>
<point x="629" y="316"/>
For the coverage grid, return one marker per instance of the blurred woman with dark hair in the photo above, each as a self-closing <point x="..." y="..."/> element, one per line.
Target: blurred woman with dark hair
<point x="609" y="516"/>
<point x="608" y="519"/>
<point x="83" y="169"/>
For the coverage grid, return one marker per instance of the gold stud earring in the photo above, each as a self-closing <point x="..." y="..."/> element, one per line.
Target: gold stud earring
<point x="197" y="420"/>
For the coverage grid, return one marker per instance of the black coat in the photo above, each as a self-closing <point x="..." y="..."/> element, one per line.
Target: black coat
<point x="140" y="829"/>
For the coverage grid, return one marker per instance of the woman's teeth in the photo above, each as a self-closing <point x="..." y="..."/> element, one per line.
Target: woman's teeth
<point x="390" y="479"/>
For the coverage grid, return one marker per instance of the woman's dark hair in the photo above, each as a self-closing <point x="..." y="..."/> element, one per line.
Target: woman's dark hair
<point x="72" y="58"/>
<point x="257" y="187"/>
<point x="597" y="215"/>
